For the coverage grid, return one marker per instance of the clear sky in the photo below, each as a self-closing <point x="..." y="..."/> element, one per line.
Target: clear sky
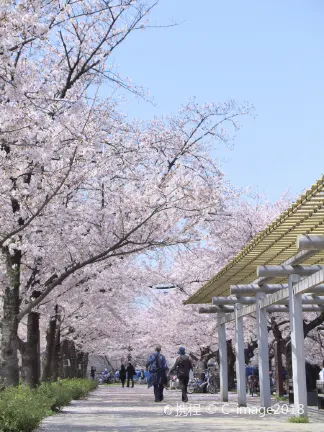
<point x="266" y="52"/>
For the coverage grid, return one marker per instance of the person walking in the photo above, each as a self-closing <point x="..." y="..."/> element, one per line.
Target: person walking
<point x="93" y="372"/>
<point x="122" y="374"/>
<point x="130" y="373"/>
<point x="182" y="367"/>
<point x="157" y="366"/>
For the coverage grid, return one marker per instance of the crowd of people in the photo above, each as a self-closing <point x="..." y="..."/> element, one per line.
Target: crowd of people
<point x="157" y="376"/>
<point x="158" y="371"/>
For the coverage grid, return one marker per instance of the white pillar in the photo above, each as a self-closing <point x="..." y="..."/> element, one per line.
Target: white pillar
<point x="264" y="378"/>
<point x="240" y="359"/>
<point x="223" y="376"/>
<point x="297" y="348"/>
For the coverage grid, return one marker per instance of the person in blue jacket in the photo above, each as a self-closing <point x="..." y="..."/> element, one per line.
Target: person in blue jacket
<point x="157" y="366"/>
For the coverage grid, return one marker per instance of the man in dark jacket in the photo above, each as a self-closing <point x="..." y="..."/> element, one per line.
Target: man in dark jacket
<point x="93" y="372"/>
<point x="182" y="366"/>
<point x="130" y="373"/>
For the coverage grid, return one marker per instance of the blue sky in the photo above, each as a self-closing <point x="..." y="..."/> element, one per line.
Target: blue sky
<point x="266" y="52"/>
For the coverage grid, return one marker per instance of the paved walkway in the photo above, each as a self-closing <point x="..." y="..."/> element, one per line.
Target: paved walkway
<point x="111" y="408"/>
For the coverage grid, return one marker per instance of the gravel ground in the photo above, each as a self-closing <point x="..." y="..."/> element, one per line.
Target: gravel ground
<point x="133" y="409"/>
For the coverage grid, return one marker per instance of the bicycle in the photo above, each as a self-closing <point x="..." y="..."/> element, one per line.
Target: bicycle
<point x="253" y="385"/>
<point x="210" y="383"/>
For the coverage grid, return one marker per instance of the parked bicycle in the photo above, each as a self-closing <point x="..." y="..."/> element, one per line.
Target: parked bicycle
<point x="253" y="385"/>
<point x="210" y="383"/>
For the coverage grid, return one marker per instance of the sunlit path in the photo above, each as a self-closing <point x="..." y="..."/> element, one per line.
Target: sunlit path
<point x="116" y="409"/>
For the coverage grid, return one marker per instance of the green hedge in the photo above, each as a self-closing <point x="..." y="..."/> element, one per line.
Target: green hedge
<point x="22" y="409"/>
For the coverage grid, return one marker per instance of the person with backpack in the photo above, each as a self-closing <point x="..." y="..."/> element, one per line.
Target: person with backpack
<point x="182" y="367"/>
<point x="157" y="366"/>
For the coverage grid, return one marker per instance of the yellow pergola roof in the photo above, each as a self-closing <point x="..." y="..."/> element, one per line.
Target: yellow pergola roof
<point x="274" y="245"/>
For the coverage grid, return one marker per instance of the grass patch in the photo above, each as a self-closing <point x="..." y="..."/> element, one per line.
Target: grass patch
<point x="295" y="419"/>
<point x="22" y="409"/>
<point x="282" y="398"/>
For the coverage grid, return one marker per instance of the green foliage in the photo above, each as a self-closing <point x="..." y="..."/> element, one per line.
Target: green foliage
<point x="281" y="398"/>
<point x="298" y="420"/>
<point x="22" y="409"/>
<point x="79" y="388"/>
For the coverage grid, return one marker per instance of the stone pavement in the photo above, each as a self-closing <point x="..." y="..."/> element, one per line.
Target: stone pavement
<point x="115" y="409"/>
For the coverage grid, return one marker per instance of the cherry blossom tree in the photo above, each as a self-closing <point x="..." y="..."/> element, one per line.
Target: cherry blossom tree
<point x="81" y="185"/>
<point x="53" y="58"/>
<point x="109" y="321"/>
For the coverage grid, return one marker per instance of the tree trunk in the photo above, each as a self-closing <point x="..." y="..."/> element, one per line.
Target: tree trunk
<point x="9" y="328"/>
<point x="230" y="364"/>
<point x="73" y="360"/>
<point x="79" y="360"/>
<point x="22" y="350"/>
<point x="56" y="354"/>
<point x="279" y="375"/>
<point x="50" y="345"/>
<point x="65" y="363"/>
<point x="85" y="364"/>
<point x="108" y="363"/>
<point x="30" y="353"/>
<point x="1" y="319"/>
<point x="288" y="359"/>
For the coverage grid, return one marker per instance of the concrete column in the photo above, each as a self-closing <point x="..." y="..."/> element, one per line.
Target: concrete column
<point x="223" y="376"/>
<point x="240" y="359"/>
<point x="264" y="378"/>
<point x="297" y="348"/>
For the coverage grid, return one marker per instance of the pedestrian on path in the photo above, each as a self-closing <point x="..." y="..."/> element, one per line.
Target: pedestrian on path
<point x="93" y="372"/>
<point x="157" y="366"/>
<point x="182" y="367"/>
<point x="130" y="373"/>
<point x="122" y="374"/>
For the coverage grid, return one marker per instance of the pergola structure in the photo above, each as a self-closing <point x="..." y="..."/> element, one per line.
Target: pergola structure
<point x="292" y="247"/>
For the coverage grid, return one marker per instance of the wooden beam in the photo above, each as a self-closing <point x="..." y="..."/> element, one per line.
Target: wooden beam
<point x="274" y="298"/>
<point x="212" y="309"/>
<point x="286" y="270"/>
<point x="310" y="242"/>
<point x="232" y="300"/>
<point x="255" y="288"/>
<point x="252" y="289"/>
<point x="307" y="284"/>
<point x="299" y="258"/>
<point x="225" y="308"/>
<point x="215" y="309"/>
<point x="306" y="308"/>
